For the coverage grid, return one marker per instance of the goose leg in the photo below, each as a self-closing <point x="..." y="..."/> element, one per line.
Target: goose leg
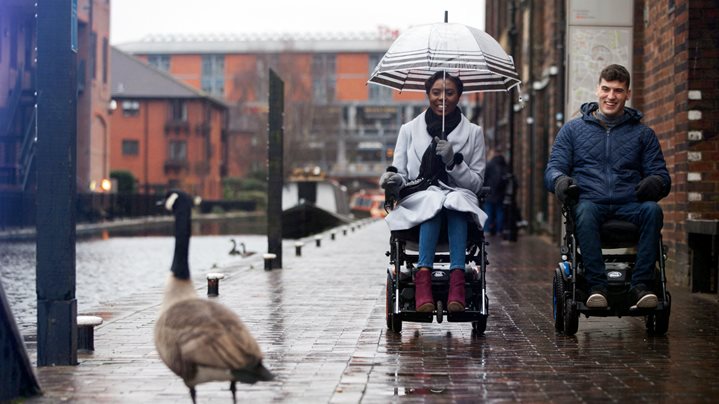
<point x="233" y="389"/>
<point x="193" y="395"/>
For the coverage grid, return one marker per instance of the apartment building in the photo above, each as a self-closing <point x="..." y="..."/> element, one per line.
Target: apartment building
<point x="17" y="94"/>
<point x="166" y="133"/>
<point x="332" y="118"/>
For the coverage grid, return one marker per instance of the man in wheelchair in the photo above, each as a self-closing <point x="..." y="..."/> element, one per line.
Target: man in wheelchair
<point x="618" y="166"/>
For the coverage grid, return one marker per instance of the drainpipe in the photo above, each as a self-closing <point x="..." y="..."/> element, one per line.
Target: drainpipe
<point x="510" y="228"/>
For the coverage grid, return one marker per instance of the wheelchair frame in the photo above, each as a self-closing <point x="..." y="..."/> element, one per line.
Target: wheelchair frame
<point x="568" y="288"/>
<point x="400" y="287"/>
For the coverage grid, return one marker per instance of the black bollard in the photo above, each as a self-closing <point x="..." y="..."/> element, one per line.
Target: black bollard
<point x="86" y="332"/>
<point x="318" y="240"/>
<point x="298" y="248"/>
<point x="213" y="284"/>
<point x="269" y="260"/>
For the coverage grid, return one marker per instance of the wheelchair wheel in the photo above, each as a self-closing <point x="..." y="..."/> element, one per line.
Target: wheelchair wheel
<point x="571" y="317"/>
<point x="394" y="322"/>
<point x="658" y="323"/>
<point x="440" y="311"/>
<point x="480" y="326"/>
<point x="389" y="299"/>
<point x="558" y="302"/>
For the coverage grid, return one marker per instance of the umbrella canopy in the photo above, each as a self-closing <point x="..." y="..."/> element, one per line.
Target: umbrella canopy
<point x="460" y="50"/>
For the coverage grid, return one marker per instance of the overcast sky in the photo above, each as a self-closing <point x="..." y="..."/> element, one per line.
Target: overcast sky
<point x="133" y="19"/>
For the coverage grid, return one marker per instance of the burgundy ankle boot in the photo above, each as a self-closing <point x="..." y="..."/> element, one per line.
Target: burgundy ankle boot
<point x="423" y="291"/>
<point x="455" y="299"/>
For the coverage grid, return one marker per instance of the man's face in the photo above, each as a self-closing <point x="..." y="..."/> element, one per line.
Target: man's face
<point x="612" y="96"/>
<point x="443" y="97"/>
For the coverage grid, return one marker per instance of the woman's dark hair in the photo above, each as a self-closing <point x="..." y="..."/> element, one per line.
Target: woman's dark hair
<point x="438" y="75"/>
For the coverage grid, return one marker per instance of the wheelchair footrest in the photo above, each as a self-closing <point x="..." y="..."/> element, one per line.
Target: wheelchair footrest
<point x="464" y="316"/>
<point x="619" y="311"/>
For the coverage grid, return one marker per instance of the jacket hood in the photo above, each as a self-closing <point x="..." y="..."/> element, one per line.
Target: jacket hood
<point x="589" y="107"/>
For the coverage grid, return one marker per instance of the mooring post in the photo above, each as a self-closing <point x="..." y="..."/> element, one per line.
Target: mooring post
<point x="56" y="188"/>
<point x="275" y="169"/>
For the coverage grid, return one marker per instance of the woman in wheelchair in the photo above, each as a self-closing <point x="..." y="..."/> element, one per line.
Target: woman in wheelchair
<point x="436" y="174"/>
<point x="617" y="165"/>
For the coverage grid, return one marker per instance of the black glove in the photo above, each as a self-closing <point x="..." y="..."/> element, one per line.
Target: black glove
<point x="560" y="187"/>
<point x="650" y="189"/>
<point x="391" y="182"/>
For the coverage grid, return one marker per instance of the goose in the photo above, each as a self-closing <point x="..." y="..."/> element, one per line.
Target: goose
<point x="201" y="340"/>
<point x="242" y="251"/>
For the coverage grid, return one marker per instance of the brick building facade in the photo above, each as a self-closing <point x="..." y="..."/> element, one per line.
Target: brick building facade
<point x="17" y="94"/>
<point x="674" y="59"/>
<point x="332" y="118"/>
<point x="166" y="133"/>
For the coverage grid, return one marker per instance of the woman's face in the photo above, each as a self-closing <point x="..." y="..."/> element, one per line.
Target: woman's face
<point x="443" y="97"/>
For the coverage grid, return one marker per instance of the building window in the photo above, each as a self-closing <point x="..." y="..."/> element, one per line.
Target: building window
<point x="323" y="78"/>
<point x="213" y="74"/>
<point x="377" y="92"/>
<point x="105" y="46"/>
<point x="93" y="55"/>
<point x="160" y="62"/>
<point x="13" y="45"/>
<point x="130" y="108"/>
<point x="177" y="150"/>
<point x="130" y="147"/>
<point x="178" y="110"/>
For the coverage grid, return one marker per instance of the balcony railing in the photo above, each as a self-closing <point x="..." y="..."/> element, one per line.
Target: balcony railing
<point x="203" y="129"/>
<point x="176" y="165"/>
<point x="177" y="126"/>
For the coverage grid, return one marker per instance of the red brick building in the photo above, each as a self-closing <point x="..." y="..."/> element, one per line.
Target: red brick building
<point x="17" y="94"/>
<point x="166" y="133"/>
<point x="672" y="50"/>
<point x="332" y="118"/>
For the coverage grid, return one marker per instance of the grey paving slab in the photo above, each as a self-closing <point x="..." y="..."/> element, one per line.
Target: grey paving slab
<point x="320" y="321"/>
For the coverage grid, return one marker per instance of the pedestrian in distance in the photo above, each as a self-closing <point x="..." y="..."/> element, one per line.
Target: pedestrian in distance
<point x="436" y="175"/>
<point x="618" y="166"/>
<point x="496" y="179"/>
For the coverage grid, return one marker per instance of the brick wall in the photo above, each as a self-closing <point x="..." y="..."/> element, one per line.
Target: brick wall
<point x="676" y="61"/>
<point x="674" y="83"/>
<point x="200" y="176"/>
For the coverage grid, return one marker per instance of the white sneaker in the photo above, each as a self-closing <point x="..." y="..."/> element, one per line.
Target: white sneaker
<point x="648" y="301"/>
<point x="597" y="300"/>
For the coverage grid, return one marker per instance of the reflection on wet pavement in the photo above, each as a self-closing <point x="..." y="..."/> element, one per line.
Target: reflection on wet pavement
<point x="320" y="322"/>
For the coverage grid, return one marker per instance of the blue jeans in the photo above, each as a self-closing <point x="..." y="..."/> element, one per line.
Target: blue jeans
<point x="495" y="217"/>
<point x="456" y="233"/>
<point x="647" y="216"/>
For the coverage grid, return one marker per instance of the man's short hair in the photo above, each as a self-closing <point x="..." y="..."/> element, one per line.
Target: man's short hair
<point x="615" y="73"/>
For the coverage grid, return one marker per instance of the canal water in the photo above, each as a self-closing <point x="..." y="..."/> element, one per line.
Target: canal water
<point x="115" y="263"/>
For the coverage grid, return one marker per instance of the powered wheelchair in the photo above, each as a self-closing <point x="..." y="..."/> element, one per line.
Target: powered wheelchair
<point x="400" y="288"/>
<point x="619" y="240"/>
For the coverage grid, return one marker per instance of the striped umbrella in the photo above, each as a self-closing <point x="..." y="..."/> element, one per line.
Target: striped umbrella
<point x="460" y="50"/>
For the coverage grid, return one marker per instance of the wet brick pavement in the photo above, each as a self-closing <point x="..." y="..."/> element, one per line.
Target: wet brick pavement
<point x="320" y="321"/>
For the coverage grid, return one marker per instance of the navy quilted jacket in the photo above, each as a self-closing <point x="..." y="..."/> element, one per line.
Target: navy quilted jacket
<point x="606" y="164"/>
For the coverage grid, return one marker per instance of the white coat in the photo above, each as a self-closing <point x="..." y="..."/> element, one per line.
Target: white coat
<point x="465" y="180"/>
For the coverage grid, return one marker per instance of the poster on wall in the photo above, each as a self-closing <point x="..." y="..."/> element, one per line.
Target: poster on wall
<point x="594" y="49"/>
<point x="599" y="34"/>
